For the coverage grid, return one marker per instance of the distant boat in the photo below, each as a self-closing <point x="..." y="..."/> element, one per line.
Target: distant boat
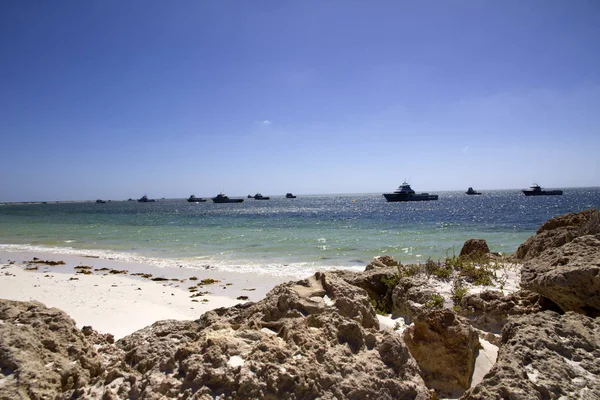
<point x="259" y="196"/>
<point x="290" y="196"/>
<point x="405" y="193"/>
<point x="145" y="199"/>
<point x="194" y="199"/>
<point x="100" y="201"/>
<point x="223" y="198"/>
<point x="471" y="191"/>
<point x="536" y="190"/>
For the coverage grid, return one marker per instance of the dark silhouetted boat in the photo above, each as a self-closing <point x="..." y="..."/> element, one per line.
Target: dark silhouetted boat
<point x="194" y="199"/>
<point x="536" y="190"/>
<point x="145" y="199"/>
<point x="472" y="192"/>
<point x="223" y="198"/>
<point x="259" y="196"/>
<point x="100" y="201"/>
<point x="405" y="193"/>
<point x="289" y="196"/>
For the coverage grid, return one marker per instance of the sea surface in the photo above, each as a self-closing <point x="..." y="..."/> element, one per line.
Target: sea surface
<point x="284" y="237"/>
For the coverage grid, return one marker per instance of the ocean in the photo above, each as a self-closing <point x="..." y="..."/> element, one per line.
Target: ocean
<point x="280" y="236"/>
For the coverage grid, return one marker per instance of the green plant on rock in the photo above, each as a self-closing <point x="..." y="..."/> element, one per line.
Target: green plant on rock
<point x="379" y="307"/>
<point x="458" y="290"/>
<point x="390" y="281"/>
<point x="438" y="269"/>
<point x="436" y="302"/>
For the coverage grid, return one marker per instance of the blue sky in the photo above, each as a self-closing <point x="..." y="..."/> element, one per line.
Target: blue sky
<point x="114" y="99"/>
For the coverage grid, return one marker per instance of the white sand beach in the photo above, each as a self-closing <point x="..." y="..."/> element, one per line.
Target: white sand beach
<point x="121" y="304"/>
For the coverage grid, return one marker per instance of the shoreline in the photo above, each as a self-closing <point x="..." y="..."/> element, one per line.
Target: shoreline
<point x="122" y="303"/>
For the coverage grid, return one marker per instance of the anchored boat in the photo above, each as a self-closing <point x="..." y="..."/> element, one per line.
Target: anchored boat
<point x="405" y="193"/>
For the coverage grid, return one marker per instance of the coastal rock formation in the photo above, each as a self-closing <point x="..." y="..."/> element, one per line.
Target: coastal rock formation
<point x="316" y="338"/>
<point x="558" y="231"/>
<point x="489" y="310"/>
<point x="409" y="297"/>
<point x="568" y="275"/>
<point x="545" y="356"/>
<point x="43" y="355"/>
<point x="474" y="248"/>
<point x="444" y="346"/>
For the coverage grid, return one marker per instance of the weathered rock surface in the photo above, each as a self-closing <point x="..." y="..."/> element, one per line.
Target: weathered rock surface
<point x="409" y="297"/>
<point x="474" y="248"/>
<point x="568" y="275"/>
<point x="490" y="309"/>
<point x="316" y="338"/>
<point x="44" y="356"/>
<point x="545" y="356"/>
<point x="558" y="231"/>
<point x="444" y="346"/>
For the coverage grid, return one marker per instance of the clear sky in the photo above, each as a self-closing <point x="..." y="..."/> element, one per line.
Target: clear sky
<point x="118" y="98"/>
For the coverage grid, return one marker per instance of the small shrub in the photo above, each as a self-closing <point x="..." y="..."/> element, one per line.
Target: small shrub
<point x="436" y="302"/>
<point x="378" y="306"/>
<point x="438" y="269"/>
<point x="458" y="290"/>
<point x="391" y="281"/>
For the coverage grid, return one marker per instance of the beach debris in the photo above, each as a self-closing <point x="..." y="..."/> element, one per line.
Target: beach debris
<point x="249" y="290"/>
<point x="118" y="271"/>
<point x="143" y="275"/>
<point x="194" y="278"/>
<point x="44" y="262"/>
<point x="73" y="278"/>
<point x="84" y="272"/>
<point x="208" y="281"/>
<point x="160" y="279"/>
<point x="242" y="297"/>
<point x="32" y="268"/>
<point x="102" y="269"/>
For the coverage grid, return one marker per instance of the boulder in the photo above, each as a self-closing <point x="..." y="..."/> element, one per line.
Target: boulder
<point x="544" y="356"/>
<point x="409" y="297"/>
<point x="558" y="231"/>
<point x="43" y="355"/>
<point x="568" y="275"/>
<point x="489" y="310"/>
<point x="444" y="346"/>
<point x="474" y="248"/>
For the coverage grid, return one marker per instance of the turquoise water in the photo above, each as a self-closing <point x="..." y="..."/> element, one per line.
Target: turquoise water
<point x="284" y="236"/>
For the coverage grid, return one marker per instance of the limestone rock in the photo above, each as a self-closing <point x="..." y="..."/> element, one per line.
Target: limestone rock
<point x="409" y="297"/>
<point x="545" y="356"/>
<point x="490" y="309"/>
<point x="444" y="346"/>
<point x="558" y="231"/>
<point x="568" y="275"/>
<point x="44" y="356"/>
<point x="474" y="248"/>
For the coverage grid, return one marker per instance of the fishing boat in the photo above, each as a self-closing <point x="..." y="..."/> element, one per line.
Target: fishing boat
<point x="405" y="193"/>
<point x="536" y="190"/>
<point x="259" y="196"/>
<point x="223" y="198"/>
<point x="194" y="199"/>
<point x="290" y="196"/>
<point x="472" y="192"/>
<point x="145" y="199"/>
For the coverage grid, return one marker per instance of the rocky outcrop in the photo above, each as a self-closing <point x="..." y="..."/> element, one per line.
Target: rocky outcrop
<point x="409" y="297"/>
<point x="316" y="338"/>
<point x="558" y="231"/>
<point x="489" y="310"/>
<point x="44" y="356"/>
<point x="444" y="346"/>
<point x="568" y="275"/>
<point x="545" y="356"/>
<point x="474" y="248"/>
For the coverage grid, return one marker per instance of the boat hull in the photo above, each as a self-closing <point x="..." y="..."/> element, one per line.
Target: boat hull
<point x="473" y="194"/>
<point x="215" y="200"/>
<point x="196" y="200"/>
<point x="393" y="197"/>
<point x="543" y="193"/>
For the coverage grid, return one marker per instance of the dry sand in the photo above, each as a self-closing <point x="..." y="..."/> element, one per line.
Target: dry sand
<point x="121" y="304"/>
